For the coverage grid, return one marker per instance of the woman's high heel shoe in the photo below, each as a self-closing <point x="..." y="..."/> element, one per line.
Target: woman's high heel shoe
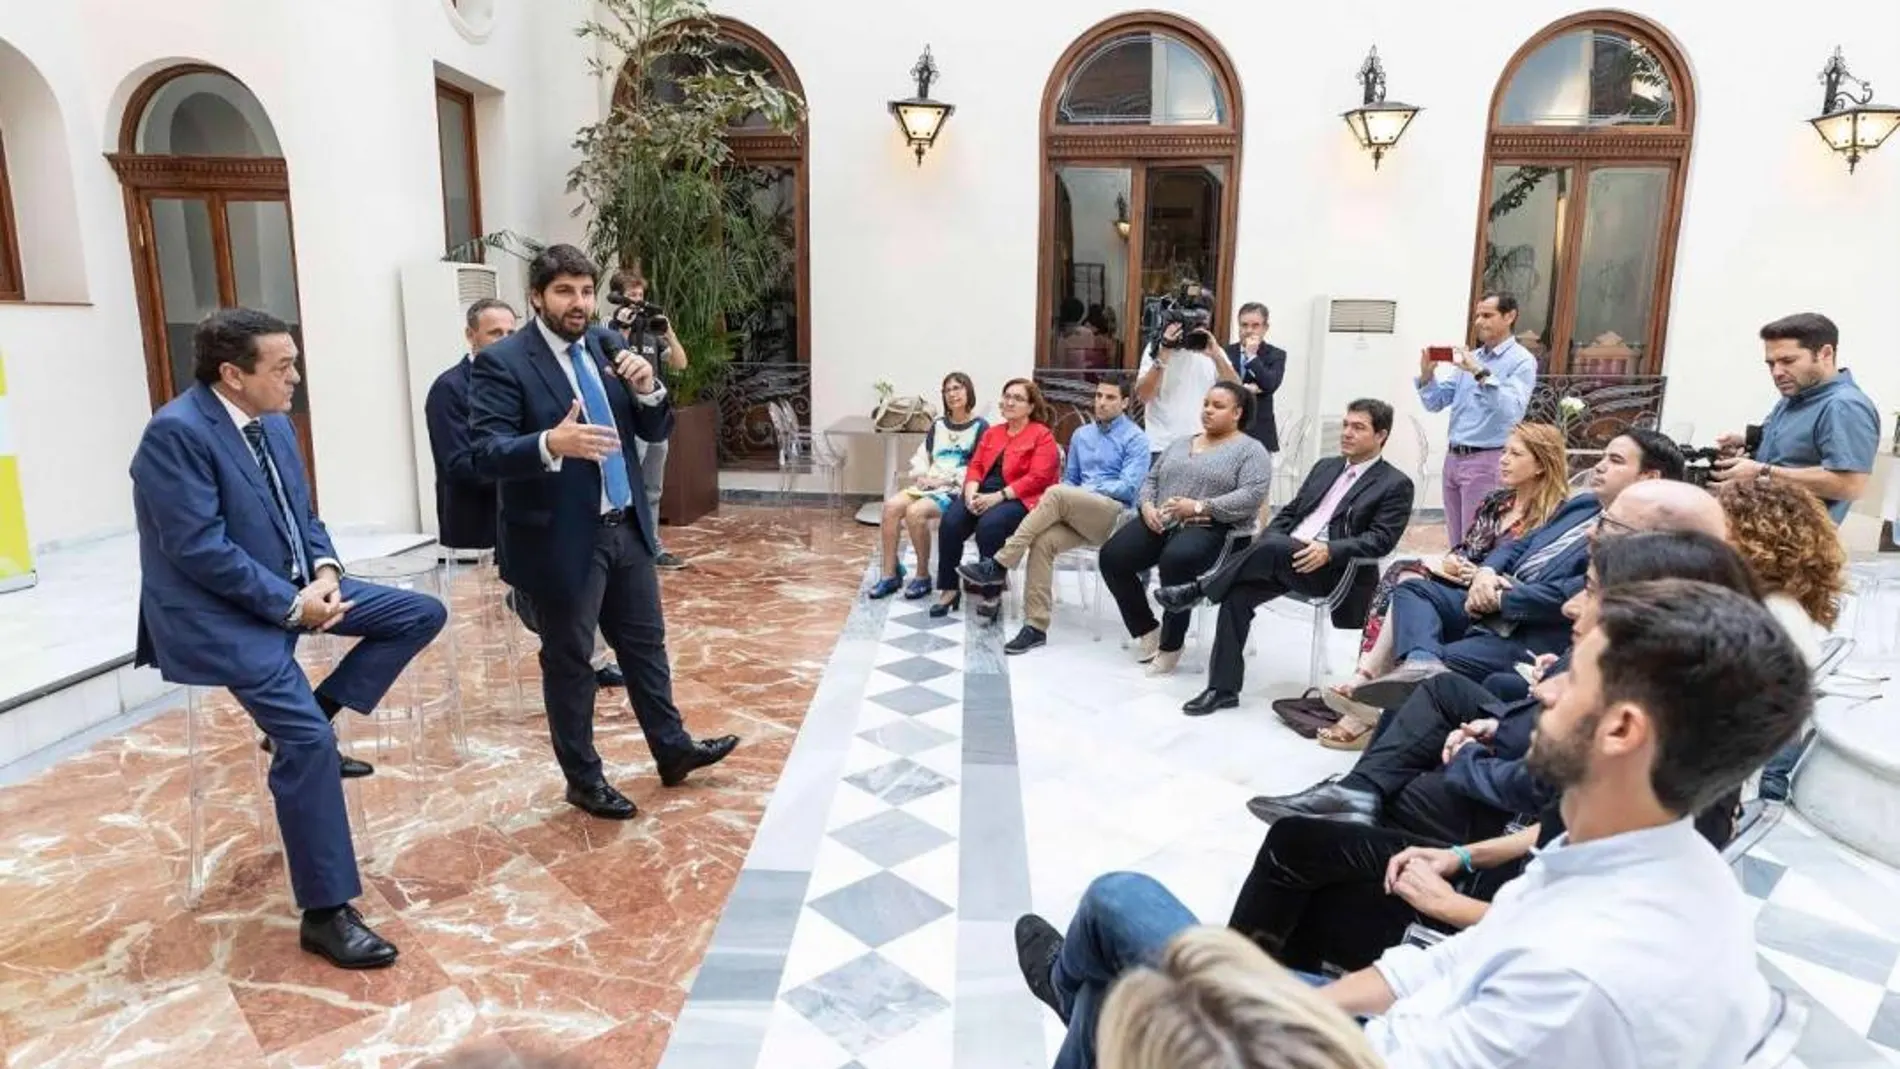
<point x="945" y="608"/>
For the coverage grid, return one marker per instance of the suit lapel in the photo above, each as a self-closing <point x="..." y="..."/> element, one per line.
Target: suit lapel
<point x="546" y="363"/>
<point x="239" y="452"/>
<point x="1325" y="474"/>
<point x="1374" y="470"/>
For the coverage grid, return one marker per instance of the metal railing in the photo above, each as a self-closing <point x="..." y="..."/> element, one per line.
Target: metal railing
<point x="744" y="396"/>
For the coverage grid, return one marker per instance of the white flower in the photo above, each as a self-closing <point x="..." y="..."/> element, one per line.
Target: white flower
<point x="1571" y="407"/>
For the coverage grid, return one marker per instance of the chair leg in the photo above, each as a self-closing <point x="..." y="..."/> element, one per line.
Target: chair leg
<point x="195" y="821"/>
<point x="1317" y="662"/>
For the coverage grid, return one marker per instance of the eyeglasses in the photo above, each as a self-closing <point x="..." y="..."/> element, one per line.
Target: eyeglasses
<point x="1610" y="525"/>
<point x="1016" y="397"/>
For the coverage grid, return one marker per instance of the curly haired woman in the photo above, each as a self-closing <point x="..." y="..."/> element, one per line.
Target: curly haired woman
<point x="1787" y="536"/>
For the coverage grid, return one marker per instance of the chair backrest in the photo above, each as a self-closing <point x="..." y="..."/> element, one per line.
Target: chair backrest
<point x="1787" y="1019"/>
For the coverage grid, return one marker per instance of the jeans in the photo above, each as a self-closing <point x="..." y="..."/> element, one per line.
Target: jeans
<point x="991" y="529"/>
<point x="1125" y="919"/>
<point x="1779" y="771"/>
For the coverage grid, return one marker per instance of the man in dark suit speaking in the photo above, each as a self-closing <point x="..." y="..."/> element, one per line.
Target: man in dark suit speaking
<point x="1351" y="507"/>
<point x="554" y="424"/>
<point x="233" y="565"/>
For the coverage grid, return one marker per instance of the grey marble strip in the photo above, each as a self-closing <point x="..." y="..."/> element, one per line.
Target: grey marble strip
<point x="997" y="1025"/>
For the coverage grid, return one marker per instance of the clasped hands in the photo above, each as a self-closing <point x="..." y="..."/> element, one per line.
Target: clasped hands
<point x="1184" y="510"/>
<point x="1486" y="595"/>
<point x="978" y="504"/>
<point x="321" y="605"/>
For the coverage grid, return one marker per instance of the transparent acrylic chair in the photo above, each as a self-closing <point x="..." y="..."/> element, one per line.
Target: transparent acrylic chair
<point x="431" y="684"/>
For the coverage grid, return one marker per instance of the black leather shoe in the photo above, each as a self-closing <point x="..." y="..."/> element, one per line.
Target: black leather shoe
<point x="983" y="574"/>
<point x="350" y="767"/>
<point x="1178" y="598"/>
<point x="674" y="770"/>
<point x="941" y="609"/>
<point x="1037" y="946"/>
<point x="1211" y="700"/>
<point x="609" y="675"/>
<point x="1026" y="639"/>
<point x="601" y="800"/>
<point x="1328" y="800"/>
<point x="345" y="941"/>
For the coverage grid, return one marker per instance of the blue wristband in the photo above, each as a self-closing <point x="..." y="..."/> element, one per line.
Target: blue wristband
<point x="1464" y="858"/>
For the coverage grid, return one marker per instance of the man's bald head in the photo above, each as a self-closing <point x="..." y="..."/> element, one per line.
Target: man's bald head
<point x="1665" y="505"/>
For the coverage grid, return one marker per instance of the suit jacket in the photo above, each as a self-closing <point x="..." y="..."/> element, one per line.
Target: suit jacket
<point x="215" y="557"/>
<point x="465" y="503"/>
<point x="1267" y="369"/>
<point x="1367" y="524"/>
<point x="1540" y="604"/>
<point x="549" y="519"/>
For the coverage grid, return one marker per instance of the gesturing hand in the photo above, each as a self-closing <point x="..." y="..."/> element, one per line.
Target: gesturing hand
<point x="585" y="441"/>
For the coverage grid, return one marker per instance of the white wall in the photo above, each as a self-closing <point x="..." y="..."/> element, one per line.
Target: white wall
<point x="916" y="270"/>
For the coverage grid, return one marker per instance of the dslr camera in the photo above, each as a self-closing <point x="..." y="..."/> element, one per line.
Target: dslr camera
<point x="637" y="317"/>
<point x="1188" y="306"/>
<point x="1698" y="464"/>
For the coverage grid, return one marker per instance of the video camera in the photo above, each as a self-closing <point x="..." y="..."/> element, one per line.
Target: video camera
<point x="1699" y="464"/>
<point x="637" y="317"/>
<point x="1188" y="306"/>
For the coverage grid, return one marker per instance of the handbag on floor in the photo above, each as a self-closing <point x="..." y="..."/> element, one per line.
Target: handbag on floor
<point x="1306" y="714"/>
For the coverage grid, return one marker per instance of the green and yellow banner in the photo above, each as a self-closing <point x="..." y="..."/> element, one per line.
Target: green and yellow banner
<point x="16" y="554"/>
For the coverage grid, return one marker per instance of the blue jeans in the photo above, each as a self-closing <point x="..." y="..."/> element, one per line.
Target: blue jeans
<point x="1776" y="774"/>
<point x="1125" y="919"/>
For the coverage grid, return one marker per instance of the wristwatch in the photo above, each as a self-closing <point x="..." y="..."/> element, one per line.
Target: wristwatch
<point x="1481" y="374"/>
<point x="1766" y="475"/>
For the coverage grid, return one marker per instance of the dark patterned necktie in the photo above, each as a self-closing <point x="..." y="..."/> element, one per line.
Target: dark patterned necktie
<point x="254" y="434"/>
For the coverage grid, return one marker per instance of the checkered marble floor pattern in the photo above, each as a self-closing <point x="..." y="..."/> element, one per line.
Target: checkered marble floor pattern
<point x="938" y="790"/>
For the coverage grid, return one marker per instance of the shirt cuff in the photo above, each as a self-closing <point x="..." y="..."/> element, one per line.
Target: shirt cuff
<point x="548" y="460"/>
<point x="327" y="562"/>
<point x="658" y="396"/>
<point x="1406" y="969"/>
<point x="295" y="615"/>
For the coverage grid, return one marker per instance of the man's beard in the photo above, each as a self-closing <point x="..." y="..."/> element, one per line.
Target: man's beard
<point x="1562" y="762"/>
<point x="561" y="331"/>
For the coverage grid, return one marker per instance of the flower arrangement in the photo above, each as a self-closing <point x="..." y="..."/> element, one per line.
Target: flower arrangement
<point x="1569" y="411"/>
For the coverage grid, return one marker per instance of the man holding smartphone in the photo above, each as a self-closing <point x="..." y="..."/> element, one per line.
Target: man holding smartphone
<point x="1487" y="392"/>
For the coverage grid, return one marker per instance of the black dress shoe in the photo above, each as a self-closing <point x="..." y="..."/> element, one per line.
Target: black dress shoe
<point x="609" y="675"/>
<point x="602" y="801"/>
<point x="674" y="770"/>
<point x="1027" y="639"/>
<point x="1038" y="944"/>
<point x="344" y="940"/>
<point x="941" y="609"/>
<point x="1328" y="800"/>
<point x="1210" y="700"/>
<point x="1179" y="598"/>
<point x="984" y="574"/>
<point x="349" y="767"/>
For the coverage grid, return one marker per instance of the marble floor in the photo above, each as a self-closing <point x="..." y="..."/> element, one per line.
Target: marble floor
<point x="838" y="896"/>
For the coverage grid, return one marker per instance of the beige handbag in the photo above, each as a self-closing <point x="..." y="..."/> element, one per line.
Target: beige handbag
<point x="903" y="414"/>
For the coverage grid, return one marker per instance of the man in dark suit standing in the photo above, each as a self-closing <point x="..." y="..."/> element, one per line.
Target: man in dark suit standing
<point x="465" y="503"/>
<point x="234" y="565"/>
<point x="554" y="424"/>
<point x="1262" y="367"/>
<point x="1351" y="507"/>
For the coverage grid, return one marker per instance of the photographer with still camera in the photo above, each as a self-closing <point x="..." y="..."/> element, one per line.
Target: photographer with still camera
<point x="1822" y="434"/>
<point x="648" y="331"/>
<point x="1179" y="366"/>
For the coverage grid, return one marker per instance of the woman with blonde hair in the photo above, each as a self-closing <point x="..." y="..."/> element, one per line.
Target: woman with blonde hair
<point x="1216" y="1001"/>
<point x="1534" y="482"/>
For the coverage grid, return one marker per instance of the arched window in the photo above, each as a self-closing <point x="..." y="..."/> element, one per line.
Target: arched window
<point x="1584" y="166"/>
<point x="774" y="364"/>
<point x="1141" y="157"/>
<point x="207" y="197"/>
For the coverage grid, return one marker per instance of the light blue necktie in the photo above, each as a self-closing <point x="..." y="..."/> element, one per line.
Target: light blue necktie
<point x="614" y="467"/>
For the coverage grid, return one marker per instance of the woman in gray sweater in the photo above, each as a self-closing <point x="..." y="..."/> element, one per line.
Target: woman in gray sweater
<point x="1198" y="489"/>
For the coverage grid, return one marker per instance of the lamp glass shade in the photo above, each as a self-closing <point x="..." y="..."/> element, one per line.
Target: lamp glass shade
<point x="921" y="120"/>
<point x="1379" y="126"/>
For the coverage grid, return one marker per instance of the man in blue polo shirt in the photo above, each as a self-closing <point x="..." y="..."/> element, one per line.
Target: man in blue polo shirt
<point x="1823" y="433"/>
<point x="1108" y="459"/>
<point x="1487" y="393"/>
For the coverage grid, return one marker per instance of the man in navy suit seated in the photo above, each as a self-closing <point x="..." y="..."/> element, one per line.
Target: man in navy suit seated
<point x="1513" y="610"/>
<point x="234" y="565"/>
<point x="554" y="423"/>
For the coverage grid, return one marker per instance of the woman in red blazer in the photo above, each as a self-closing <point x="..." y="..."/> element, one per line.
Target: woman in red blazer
<point x="1015" y="461"/>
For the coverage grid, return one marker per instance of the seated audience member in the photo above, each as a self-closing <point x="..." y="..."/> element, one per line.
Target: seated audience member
<point x="1352" y="506"/>
<point x="1213" y="1001"/>
<point x="1532" y="472"/>
<point x="1394" y="778"/>
<point x="1201" y="488"/>
<point x="936" y="474"/>
<point x="1788" y="536"/>
<point x="1108" y="460"/>
<point x="1515" y="601"/>
<point x="1014" y="463"/>
<point x="1320" y="891"/>
<point x="1626" y="941"/>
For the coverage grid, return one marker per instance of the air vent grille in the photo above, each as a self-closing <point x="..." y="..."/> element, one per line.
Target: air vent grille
<point x="1356" y="316"/>
<point x="473" y="284"/>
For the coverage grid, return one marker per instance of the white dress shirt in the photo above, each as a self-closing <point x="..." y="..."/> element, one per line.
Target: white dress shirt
<point x="241" y="420"/>
<point x="1631" y="952"/>
<point x="560" y="346"/>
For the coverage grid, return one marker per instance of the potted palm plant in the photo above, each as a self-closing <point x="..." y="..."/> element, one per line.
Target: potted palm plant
<point x="657" y="177"/>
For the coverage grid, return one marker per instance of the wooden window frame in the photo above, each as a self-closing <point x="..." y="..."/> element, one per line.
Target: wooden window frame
<point x="12" y="279"/>
<point x="1585" y="149"/>
<point x="1137" y="148"/>
<point x="450" y="91"/>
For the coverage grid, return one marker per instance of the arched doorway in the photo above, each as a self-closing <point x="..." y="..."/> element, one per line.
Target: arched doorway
<point x="775" y="362"/>
<point x="207" y="199"/>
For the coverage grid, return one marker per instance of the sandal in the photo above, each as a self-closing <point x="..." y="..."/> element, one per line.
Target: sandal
<point x="1347" y="734"/>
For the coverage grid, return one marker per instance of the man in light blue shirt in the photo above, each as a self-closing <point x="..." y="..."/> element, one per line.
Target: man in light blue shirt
<point x="1487" y="393"/>
<point x="1108" y="459"/>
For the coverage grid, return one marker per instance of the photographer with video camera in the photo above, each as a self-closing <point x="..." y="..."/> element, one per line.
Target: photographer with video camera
<point x="1822" y="434"/>
<point x="1179" y="366"/>
<point x="647" y="331"/>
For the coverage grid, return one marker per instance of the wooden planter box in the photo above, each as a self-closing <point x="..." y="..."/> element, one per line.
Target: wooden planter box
<point x="692" y="465"/>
